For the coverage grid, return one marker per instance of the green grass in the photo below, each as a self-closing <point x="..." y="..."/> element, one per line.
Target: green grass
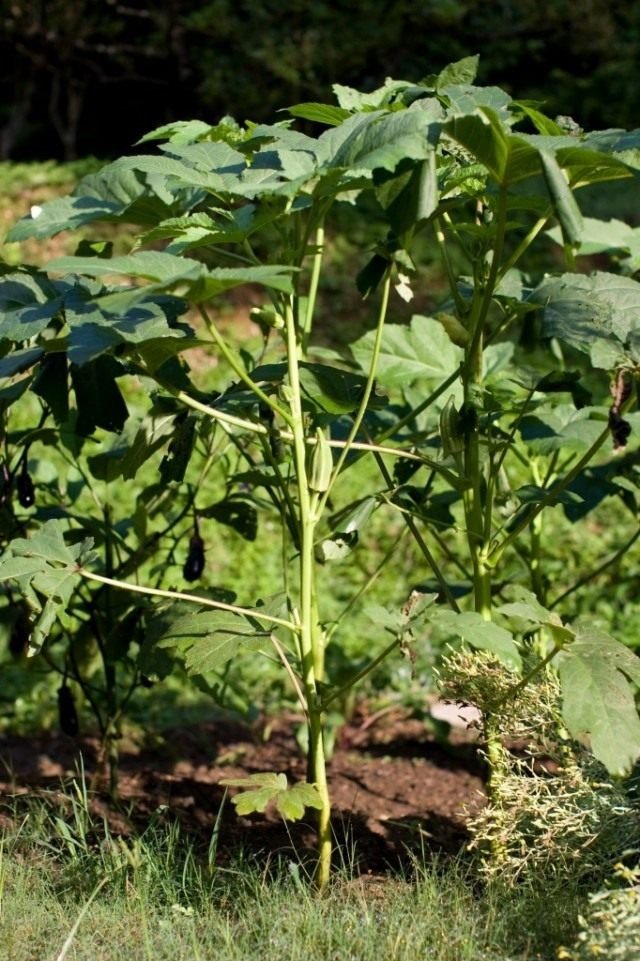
<point x="156" y="897"/>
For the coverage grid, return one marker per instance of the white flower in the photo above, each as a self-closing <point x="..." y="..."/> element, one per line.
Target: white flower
<point x="403" y="288"/>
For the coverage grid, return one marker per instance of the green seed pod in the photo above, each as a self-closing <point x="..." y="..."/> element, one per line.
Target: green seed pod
<point x="67" y="714"/>
<point x="457" y="334"/>
<point x="451" y="435"/>
<point x="266" y="318"/>
<point x="320" y="464"/>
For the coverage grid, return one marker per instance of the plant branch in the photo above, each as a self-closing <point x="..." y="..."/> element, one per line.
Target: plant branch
<point x="551" y="496"/>
<point x="344" y="688"/>
<point x="239" y="370"/>
<point x="596" y="571"/>
<point x="183" y="596"/>
<point x="368" y="390"/>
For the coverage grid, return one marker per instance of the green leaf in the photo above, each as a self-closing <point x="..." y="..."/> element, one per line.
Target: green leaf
<point x="178" y="132"/>
<point x="460" y="72"/>
<point x="562" y="428"/>
<point x="263" y="789"/>
<point x="376" y="141"/>
<point x="28" y="303"/>
<point x="292" y="803"/>
<point x="98" y="397"/>
<point x="541" y="122"/>
<point x="116" y="192"/>
<point x="319" y="113"/>
<point x="485" y="635"/>
<point x="235" y="513"/>
<point x="350" y="99"/>
<point x="597" y="236"/>
<point x="465" y="98"/>
<point x="19" y="361"/>
<point x="209" y="637"/>
<point x="64" y="213"/>
<point x="44" y="567"/>
<point x="155" y="265"/>
<point x="390" y="620"/>
<point x="415" y="202"/>
<point x="584" y="311"/>
<point x="421" y="351"/>
<point x="598" y="700"/>
<point x="332" y="389"/>
<point x="531" y="494"/>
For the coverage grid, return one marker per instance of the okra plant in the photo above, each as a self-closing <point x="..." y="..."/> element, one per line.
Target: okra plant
<point x="479" y="419"/>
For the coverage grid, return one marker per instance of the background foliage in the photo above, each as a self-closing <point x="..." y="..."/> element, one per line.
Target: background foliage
<point x="90" y="76"/>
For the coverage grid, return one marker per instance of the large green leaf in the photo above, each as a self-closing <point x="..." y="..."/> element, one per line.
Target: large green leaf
<point x="479" y="633"/>
<point x="64" y="213"/>
<point x="180" y="131"/>
<point x="562" y="428"/>
<point x="421" y="351"/>
<point x="208" y="638"/>
<point x="19" y="361"/>
<point x="598" y="700"/>
<point x="166" y="270"/>
<point x="28" y="303"/>
<point x="623" y="144"/>
<point x="465" y="98"/>
<point x="117" y="192"/>
<point x="600" y="235"/>
<point x="374" y="141"/>
<point x="155" y="265"/>
<point x="595" y="314"/>
<point x="45" y="568"/>
<point x="461" y="72"/>
<point x="93" y="331"/>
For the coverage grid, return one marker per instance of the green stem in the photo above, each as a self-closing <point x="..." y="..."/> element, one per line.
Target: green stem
<point x="549" y="499"/>
<point x="309" y="634"/>
<point x="444" y="253"/>
<point x="220" y="415"/>
<point x="535" y="556"/>
<point x="524" y="244"/>
<point x="476" y="499"/>
<point x="313" y="287"/>
<point x="418" y="538"/>
<point x="182" y="596"/>
<point x="353" y="600"/>
<point x="368" y="390"/>
<point x="533" y="673"/>
<point x="239" y="370"/>
<point x="371" y="666"/>
<point x="595" y="572"/>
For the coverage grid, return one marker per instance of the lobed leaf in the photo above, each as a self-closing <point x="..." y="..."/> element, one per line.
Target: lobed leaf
<point x="598" y="700"/>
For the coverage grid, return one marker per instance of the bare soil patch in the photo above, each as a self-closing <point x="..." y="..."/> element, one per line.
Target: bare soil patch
<point x="397" y="792"/>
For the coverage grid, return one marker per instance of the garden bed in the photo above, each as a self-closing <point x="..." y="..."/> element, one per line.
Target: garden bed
<point x="397" y="791"/>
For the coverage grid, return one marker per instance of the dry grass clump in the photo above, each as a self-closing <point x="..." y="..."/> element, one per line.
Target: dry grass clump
<point x="554" y="812"/>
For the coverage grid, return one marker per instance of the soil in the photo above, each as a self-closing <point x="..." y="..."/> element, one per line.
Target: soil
<point x="397" y="790"/>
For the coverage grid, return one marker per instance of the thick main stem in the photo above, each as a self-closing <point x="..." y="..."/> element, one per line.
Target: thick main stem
<point x="310" y="639"/>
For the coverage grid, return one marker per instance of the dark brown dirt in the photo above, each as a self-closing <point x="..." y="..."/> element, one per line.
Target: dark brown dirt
<point x="396" y="790"/>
